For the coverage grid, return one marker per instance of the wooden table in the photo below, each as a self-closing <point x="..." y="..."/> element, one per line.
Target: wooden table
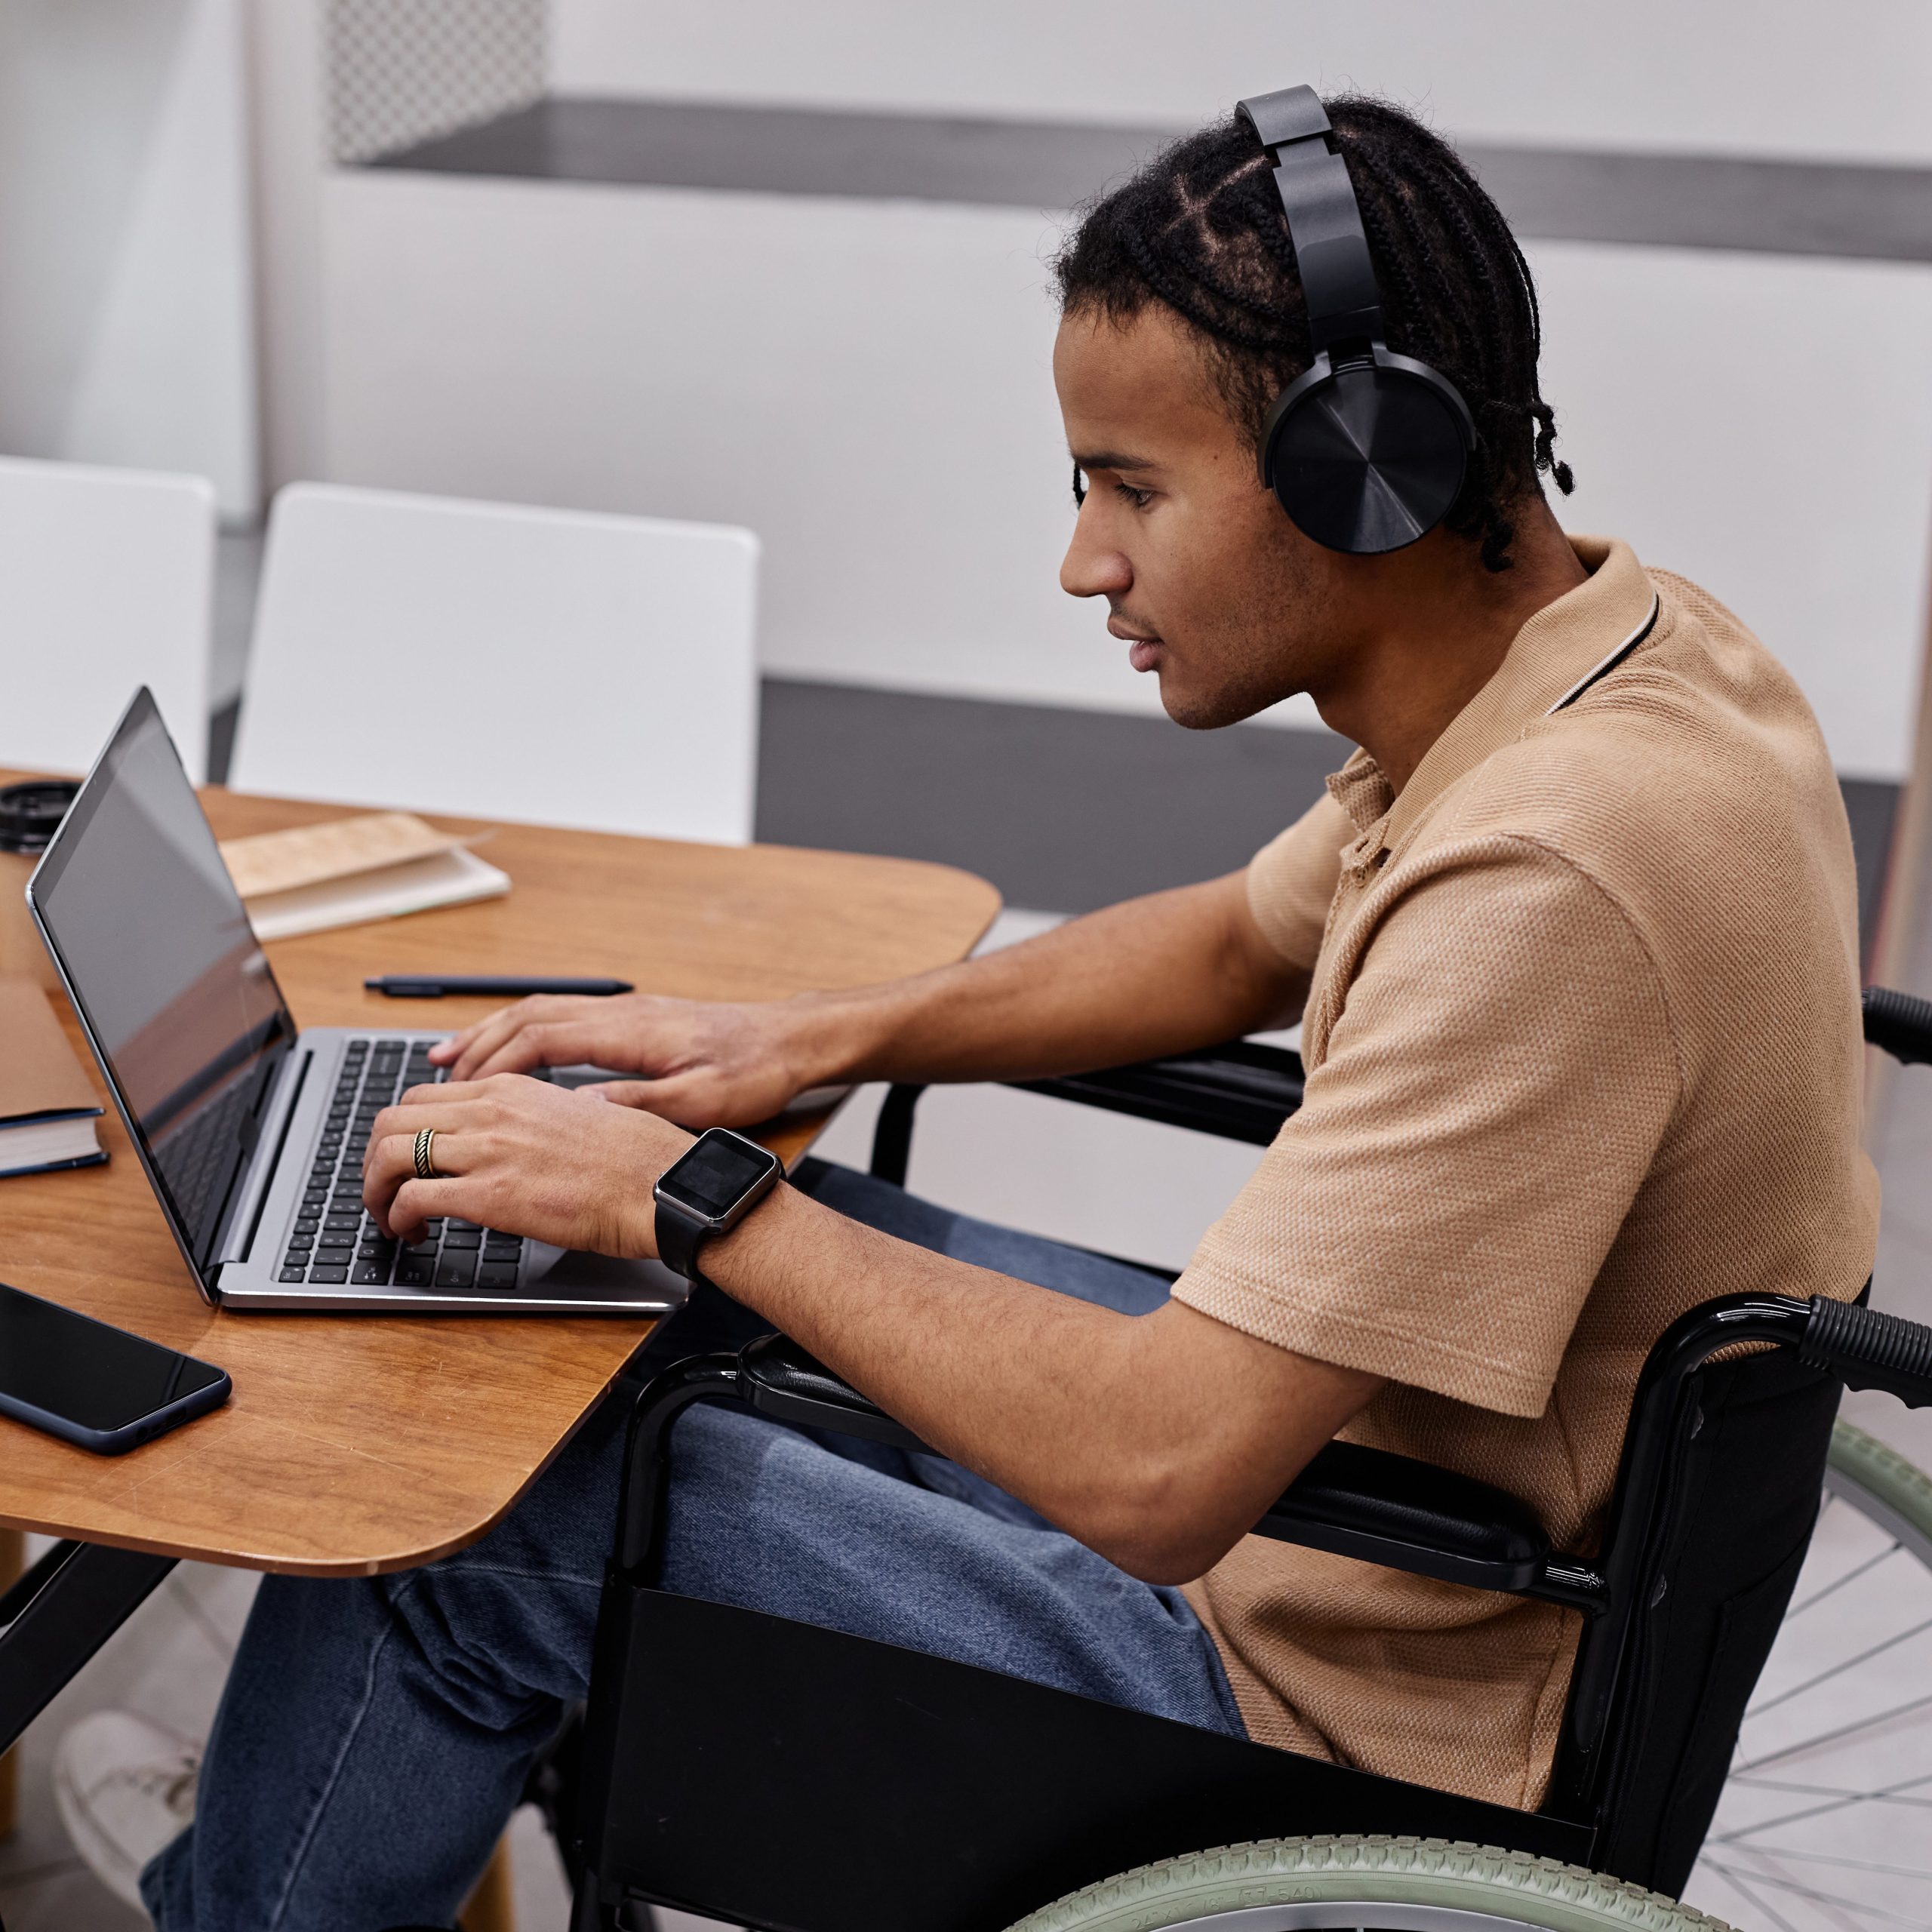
<point x="356" y="1444"/>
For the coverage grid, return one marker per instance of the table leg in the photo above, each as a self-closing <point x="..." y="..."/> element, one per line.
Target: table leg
<point x="13" y="1561"/>
<point x="58" y="1614"/>
<point x="492" y="1906"/>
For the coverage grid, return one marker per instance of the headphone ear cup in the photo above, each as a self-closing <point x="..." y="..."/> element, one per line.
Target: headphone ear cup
<point x="1367" y="458"/>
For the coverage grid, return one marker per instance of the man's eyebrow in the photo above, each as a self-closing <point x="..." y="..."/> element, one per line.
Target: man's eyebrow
<point x="1108" y="460"/>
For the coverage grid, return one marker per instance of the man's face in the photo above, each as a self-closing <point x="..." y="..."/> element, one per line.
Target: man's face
<point x="1212" y="587"/>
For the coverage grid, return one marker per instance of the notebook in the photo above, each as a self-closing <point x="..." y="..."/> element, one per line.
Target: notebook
<point x="376" y="865"/>
<point x="48" y="1108"/>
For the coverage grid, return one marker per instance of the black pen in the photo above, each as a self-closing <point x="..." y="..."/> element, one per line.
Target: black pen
<point x="485" y="986"/>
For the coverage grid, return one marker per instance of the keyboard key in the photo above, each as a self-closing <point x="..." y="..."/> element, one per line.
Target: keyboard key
<point x="502" y="1250"/>
<point x="412" y="1273"/>
<point x="496" y="1275"/>
<point x="344" y="1238"/>
<point x="424" y="1250"/>
<point x="455" y="1237"/>
<point x="450" y="1221"/>
<point x="334" y="1277"/>
<point x="455" y="1271"/>
<point x="292" y="1274"/>
<point x="372" y="1274"/>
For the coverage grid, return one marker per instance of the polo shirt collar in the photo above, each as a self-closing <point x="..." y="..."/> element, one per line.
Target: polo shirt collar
<point x="1558" y="653"/>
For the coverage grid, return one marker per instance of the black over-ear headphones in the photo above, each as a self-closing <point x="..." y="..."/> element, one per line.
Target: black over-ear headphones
<point x="1368" y="450"/>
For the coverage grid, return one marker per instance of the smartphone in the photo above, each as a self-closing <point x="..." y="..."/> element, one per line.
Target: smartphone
<point x="94" y="1385"/>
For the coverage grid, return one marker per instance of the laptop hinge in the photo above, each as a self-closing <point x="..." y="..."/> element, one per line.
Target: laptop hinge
<point x="271" y="1127"/>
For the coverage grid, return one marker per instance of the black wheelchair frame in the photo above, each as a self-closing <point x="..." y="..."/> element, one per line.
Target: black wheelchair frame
<point x="795" y="1779"/>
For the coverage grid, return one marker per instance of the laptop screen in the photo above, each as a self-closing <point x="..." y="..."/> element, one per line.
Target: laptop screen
<point x="175" y="993"/>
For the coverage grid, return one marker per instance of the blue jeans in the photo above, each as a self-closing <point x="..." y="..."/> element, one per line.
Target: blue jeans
<point x="374" y="1734"/>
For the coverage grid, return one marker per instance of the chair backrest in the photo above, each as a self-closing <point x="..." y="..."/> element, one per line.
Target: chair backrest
<point x="1745" y="1466"/>
<point x="499" y="661"/>
<point x="106" y="579"/>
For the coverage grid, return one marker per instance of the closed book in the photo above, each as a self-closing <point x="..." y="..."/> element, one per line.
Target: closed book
<point x="48" y="1107"/>
<point x="347" y="871"/>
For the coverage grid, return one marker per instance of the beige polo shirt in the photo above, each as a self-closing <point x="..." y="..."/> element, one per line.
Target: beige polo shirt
<point x="1583" y="1050"/>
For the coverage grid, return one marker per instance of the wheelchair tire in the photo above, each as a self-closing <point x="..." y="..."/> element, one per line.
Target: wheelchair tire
<point x="1365" y="1885"/>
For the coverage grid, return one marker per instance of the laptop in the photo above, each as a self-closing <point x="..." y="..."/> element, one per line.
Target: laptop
<point x="251" y="1132"/>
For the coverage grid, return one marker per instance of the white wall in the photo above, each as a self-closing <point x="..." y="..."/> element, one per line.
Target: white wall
<point x="126" y="323"/>
<point x="866" y="384"/>
<point x="1755" y="76"/>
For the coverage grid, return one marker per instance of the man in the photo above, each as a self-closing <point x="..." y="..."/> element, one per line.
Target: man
<point x="1574" y="944"/>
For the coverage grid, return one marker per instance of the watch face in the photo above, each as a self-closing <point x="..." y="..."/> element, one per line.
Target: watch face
<point x="713" y="1176"/>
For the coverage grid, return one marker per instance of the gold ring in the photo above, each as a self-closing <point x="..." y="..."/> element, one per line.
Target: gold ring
<point x="425" y="1156"/>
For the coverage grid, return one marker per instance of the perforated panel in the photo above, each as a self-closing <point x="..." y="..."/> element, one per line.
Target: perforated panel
<point x="402" y="71"/>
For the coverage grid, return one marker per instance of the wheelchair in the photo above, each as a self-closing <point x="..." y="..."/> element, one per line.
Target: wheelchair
<point x="1718" y="1741"/>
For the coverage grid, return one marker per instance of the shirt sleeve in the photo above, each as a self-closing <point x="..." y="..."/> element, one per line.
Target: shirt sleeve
<point x="1491" y="1096"/>
<point x="1291" y="880"/>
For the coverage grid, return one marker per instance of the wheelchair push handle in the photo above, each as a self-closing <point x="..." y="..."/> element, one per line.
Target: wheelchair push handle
<point x="1865" y="1350"/>
<point x="1900" y="1024"/>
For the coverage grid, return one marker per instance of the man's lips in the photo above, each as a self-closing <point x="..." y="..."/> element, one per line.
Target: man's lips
<point x="1144" y="650"/>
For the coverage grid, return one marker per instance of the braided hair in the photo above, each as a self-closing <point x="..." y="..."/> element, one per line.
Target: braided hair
<point x="1200" y="228"/>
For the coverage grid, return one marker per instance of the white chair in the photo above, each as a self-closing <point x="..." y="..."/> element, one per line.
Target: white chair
<point x="106" y="579"/>
<point x="497" y="661"/>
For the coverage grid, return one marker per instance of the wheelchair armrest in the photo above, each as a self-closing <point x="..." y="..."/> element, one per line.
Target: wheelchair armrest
<point x="1391" y="1509"/>
<point x="1240" y="1090"/>
<point x="776" y="1378"/>
<point x="1353" y="1501"/>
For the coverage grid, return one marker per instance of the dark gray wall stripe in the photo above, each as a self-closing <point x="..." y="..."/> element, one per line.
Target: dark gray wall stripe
<point x="1062" y="810"/>
<point x="1666" y="200"/>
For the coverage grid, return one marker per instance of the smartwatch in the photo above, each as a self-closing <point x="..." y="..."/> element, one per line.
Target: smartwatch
<point x="708" y="1191"/>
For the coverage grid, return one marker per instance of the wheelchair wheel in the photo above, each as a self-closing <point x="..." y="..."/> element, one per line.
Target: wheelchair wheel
<point x="1826" y="1818"/>
<point x="1365" y="1885"/>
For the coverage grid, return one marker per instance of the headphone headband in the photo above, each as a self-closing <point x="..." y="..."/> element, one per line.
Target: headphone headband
<point x="1325" y="223"/>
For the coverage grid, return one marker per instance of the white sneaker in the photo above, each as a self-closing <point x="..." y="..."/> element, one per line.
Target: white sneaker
<point x="123" y="1787"/>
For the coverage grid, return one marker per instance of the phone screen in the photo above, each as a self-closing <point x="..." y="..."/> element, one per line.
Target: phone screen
<point x="85" y="1372"/>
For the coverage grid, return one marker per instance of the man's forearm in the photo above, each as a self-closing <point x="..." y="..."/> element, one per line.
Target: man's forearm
<point x="1158" y="1440"/>
<point x="1155" y="975"/>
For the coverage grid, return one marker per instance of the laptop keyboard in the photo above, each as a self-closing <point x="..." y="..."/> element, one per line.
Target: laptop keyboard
<point x="334" y="1242"/>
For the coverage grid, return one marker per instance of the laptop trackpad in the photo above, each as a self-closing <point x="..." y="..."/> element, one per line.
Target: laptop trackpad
<point x="548" y="1270"/>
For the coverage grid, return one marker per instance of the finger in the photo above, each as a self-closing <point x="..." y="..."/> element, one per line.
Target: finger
<point x="389" y="1169"/>
<point x="406" y="1119"/>
<point x="489" y="1034"/>
<point x="676" y="1100"/>
<point x="544" y="1043"/>
<point x="417" y="1201"/>
<point x="476" y="1045"/>
<point x="454" y="1047"/>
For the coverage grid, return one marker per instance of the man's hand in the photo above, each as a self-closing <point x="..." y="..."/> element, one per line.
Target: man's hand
<point x="531" y="1159"/>
<point x="700" y="1063"/>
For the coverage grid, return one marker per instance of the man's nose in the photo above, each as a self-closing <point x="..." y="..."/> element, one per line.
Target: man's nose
<point x="1092" y="568"/>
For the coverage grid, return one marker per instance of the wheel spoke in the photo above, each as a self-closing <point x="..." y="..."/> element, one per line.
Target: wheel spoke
<point x="1888" y="1794"/>
<point x="1831" y="1737"/>
<point x="1877" y="1914"/>
<point x="1832" y="1858"/>
<point x="1736" y="1878"/>
<point x="1849" y="1576"/>
<point x="1837" y="1669"/>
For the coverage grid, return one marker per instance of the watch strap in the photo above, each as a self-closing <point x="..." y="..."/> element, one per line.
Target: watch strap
<point x="679" y="1238"/>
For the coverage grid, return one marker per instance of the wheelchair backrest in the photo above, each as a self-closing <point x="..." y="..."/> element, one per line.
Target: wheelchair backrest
<point x="1719" y="1555"/>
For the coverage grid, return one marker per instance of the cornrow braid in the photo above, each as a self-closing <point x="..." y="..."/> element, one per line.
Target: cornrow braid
<point x="1199" y="230"/>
